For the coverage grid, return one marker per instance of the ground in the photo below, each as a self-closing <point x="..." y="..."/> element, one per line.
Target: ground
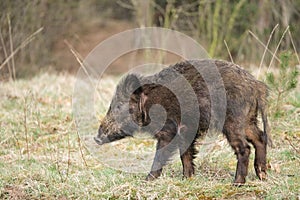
<point x="42" y="157"/>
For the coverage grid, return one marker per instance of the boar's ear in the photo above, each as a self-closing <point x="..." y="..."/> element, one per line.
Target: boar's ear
<point x="132" y="85"/>
<point x="142" y="108"/>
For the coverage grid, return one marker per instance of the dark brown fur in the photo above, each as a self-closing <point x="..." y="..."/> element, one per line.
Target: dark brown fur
<point x="245" y="97"/>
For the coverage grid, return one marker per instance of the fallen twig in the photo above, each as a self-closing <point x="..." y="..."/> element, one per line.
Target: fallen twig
<point x="292" y="145"/>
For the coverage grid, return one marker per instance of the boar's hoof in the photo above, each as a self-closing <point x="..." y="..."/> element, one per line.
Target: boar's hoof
<point x="151" y="177"/>
<point x="262" y="176"/>
<point x="239" y="181"/>
<point x="238" y="184"/>
<point x="189" y="173"/>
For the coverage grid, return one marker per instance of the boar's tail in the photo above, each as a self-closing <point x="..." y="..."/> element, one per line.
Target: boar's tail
<point x="262" y="106"/>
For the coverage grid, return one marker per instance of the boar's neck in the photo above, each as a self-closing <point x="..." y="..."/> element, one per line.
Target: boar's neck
<point x="158" y="94"/>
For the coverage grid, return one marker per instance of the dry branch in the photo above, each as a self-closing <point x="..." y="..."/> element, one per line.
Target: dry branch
<point x="21" y="46"/>
<point x="11" y="49"/>
<point x="294" y="46"/>
<point x="263" y="56"/>
<point x="228" y="51"/>
<point x="260" y="42"/>
<point x="278" y="45"/>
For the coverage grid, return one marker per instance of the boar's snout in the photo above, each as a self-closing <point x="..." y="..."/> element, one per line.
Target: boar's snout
<point x="99" y="139"/>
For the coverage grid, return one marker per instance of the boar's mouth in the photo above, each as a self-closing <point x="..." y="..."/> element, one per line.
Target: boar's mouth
<point x="111" y="137"/>
<point x="100" y="141"/>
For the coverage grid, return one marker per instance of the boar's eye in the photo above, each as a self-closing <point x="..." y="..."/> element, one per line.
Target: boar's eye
<point x="119" y="106"/>
<point x="116" y="106"/>
<point x="130" y="110"/>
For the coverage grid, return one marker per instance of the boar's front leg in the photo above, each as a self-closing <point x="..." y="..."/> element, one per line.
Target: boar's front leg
<point x="187" y="155"/>
<point x="164" y="150"/>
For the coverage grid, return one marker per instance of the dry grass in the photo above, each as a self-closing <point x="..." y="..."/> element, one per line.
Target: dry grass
<point x="52" y="166"/>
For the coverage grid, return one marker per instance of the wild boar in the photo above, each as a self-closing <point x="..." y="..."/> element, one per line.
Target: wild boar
<point x="245" y="97"/>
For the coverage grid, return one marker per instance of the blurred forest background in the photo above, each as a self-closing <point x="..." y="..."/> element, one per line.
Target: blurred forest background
<point x="33" y="34"/>
<point x="42" y="155"/>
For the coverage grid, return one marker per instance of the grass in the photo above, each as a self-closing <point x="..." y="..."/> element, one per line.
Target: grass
<point x="49" y="164"/>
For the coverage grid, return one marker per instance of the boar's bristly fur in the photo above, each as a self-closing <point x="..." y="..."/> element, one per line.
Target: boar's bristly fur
<point x="245" y="98"/>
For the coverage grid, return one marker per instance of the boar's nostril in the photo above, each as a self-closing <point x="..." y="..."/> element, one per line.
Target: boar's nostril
<point x="98" y="141"/>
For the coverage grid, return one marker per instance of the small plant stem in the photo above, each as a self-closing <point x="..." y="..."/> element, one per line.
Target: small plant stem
<point x="228" y="51"/>
<point x="278" y="45"/>
<point x="11" y="49"/>
<point x="25" y="127"/>
<point x="215" y="34"/>
<point x="69" y="159"/>
<point x="266" y="48"/>
<point x="260" y="42"/>
<point x="5" y="54"/>
<point x="80" y="148"/>
<point x="58" y="167"/>
<point x="18" y="143"/>
<point x="294" y="47"/>
<point x="278" y="100"/>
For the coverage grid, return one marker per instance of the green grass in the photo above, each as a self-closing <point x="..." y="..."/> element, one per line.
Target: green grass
<point x="52" y="167"/>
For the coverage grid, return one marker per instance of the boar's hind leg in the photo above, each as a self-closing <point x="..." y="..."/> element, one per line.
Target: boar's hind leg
<point x="256" y="137"/>
<point x="164" y="150"/>
<point x="187" y="154"/>
<point x="241" y="148"/>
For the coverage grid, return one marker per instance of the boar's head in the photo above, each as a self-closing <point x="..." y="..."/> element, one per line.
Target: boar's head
<point x="125" y="113"/>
